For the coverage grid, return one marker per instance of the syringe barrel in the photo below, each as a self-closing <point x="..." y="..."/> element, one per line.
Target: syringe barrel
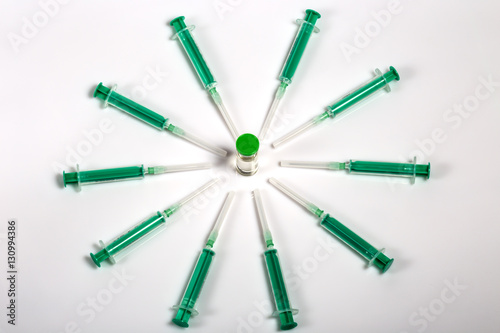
<point x="299" y="44"/>
<point x="391" y="169"/>
<point x="183" y="33"/>
<point x="103" y="175"/>
<point x="380" y="81"/>
<point x="283" y="305"/>
<point x="193" y="290"/>
<point x="365" y="249"/>
<point x="124" y="244"/>
<point x="146" y="115"/>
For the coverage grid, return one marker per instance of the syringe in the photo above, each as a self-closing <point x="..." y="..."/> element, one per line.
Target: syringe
<point x="81" y="178"/>
<point x="183" y="34"/>
<point x="145" y="230"/>
<point x="380" y="81"/>
<point x="408" y="170"/>
<point x="111" y="97"/>
<point x="283" y="305"/>
<point x="373" y="255"/>
<point x="187" y="307"/>
<point x="307" y="27"/>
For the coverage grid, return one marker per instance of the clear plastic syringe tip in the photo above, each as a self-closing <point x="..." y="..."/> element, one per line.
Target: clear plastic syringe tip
<point x="220" y="219"/>
<point x="268" y="238"/>
<point x="297" y="198"/>
<point x="311" y="123"/>
<point x="225" y="114"/>
<point x="159" y="169"/>
<point x="197" y="141"/>
<point x="313" y="165"/>
<point x="175" y="207"/>
<point x="270" y="115"/>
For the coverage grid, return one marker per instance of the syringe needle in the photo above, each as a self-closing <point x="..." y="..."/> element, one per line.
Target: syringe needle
<point x="225" y="115"/>
<point x="270" y="115"/>
<point x="159" y="169"/>
<point x="220" y="219"/>
<point x="297" y="198"/>
<point x="268" y="238"/>
<point x="313" y="122"/>
<point x="197" y="141"/>
<point x="172" y="209"/>
<point x="313" y="165"/>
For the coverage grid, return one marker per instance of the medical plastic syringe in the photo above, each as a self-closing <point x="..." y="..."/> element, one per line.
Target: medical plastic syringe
<point x="81" y="178"/>
<point x="407" y="170"/>
<point x="111" y="97"/>
<point x="380" y="81"/>
<point x="374" y="256"/>
<point x="283" y="305"/>
<point x="186" y="308"/>
<point x="307" y="27"/>
<point x="145" y="230"/>
<point x="183" y="34"/>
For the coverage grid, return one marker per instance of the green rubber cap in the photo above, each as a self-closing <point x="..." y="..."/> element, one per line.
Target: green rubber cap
<point x="247" y="144"/>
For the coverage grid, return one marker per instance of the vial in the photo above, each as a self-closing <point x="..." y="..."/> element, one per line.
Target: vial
<point x="247" y="147"/>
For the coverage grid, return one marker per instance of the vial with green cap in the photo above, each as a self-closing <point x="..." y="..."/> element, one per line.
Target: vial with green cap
<point x="183" y="34"/>
<point x="381" y="81"/>
<point x="284" y="309"/>
<point x="80" y="178"/>
<point x="143" y="231"/>
<point x="406" y="170"/>
<point x="247" y="147"/>
<point x="111" y="97"/>
<point x="373" y="255"/>
<point x="186" y="308"/>
<point x="307" y="27"/>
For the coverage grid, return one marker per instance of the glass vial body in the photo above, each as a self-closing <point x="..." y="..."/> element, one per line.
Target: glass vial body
<point x="247" y="147"/>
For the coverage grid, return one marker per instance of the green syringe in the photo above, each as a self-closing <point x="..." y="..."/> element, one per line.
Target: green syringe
<point x="307" y="27"/>
<point x="81" y="178"/>
<point x="187" y="307"/>
<point x="380" y="81"/>
<point x="111" y="97"/>
<point x="143" y="231"/>
<point x="183" y="34"/>
<point x="373" y="255"/>
<point x="407" y="170"/>
<point x="283" y="305"/>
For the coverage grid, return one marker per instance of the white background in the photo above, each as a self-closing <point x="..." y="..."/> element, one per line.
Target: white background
<point x="441" y="232"/>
